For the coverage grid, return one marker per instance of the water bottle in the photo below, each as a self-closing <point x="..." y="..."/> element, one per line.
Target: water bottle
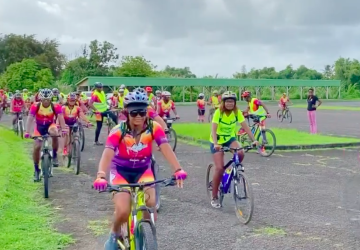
<point x="253" y="130"/>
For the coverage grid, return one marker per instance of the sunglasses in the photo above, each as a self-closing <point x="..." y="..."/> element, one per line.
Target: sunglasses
<point x="140" y="112"/>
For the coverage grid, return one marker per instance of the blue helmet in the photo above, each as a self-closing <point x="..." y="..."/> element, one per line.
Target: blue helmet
<point x="136" y="98"/>
<point x="98" y="85"/>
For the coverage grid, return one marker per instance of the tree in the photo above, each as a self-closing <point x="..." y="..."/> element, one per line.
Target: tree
<point x="137" y="66"/>
<point x="26" y="74"/>
<point x="15" y="48"/>
<point x="75" y="70"/>
<point x="179" y="72"/>
<point x="100" y="55"/>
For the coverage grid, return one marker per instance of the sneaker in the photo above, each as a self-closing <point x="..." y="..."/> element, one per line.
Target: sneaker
<point x="55" y="162"/>
<point x="98" y="143"/>
<point x="37" y="176"/>
<point x="111" y="243"/>
<point x="215" y="203"/>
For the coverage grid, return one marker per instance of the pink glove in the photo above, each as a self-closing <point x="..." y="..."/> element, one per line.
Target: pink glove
<point x="180" y="175"/>
<point x="100" y="184"/>
<point x="27" y="135"/>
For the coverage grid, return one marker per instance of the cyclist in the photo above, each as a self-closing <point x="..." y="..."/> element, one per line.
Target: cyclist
<point x="214" y="101"/>
<point x="126" y="91"/>
<point x="2" y="102"/>
<point x="127" y="155"/>
<point x="257" y="107"/>
<point x="121" y="99"/>
<point x="79" y="102"/>
<point x="57" y="97"/>
<point x="6" y="95"/>
<point x="99" y="105"/>
<point x="201" y="107"/>
<point x="44" y="114"/>
<point x="223" y="134"/>
<point x="165" y="105"/>
<point x="114" y="100"/>
<point x="152" y="99"/>
<point x="283" y="102"/>
<point x="17" y="106"/>
<point x="72" y="113"/>
<point x="158" y="95"/>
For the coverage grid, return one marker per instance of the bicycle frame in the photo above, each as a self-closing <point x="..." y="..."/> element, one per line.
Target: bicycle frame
<point x="235" y="162"/>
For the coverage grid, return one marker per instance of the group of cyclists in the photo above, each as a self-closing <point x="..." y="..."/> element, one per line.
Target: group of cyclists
<point x="128" y="150"/>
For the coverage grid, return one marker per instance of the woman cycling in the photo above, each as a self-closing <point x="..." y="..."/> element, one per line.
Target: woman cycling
<point x="127" y="155"/>
<point x="72" y="113"/>
<point x="223" y="134"/>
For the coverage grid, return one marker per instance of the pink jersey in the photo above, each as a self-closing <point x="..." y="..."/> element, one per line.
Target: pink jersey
<point x="164" y="108"/>
<point x="130" y="154"/>
<point x="17" y="105"/>
<point x="44" y="116"/>
<point x="71" y="115"/>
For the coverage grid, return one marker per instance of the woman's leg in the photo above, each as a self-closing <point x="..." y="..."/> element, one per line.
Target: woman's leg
<point x="218" y="158"/>
<point x="310" y="121"/>
<point x="313" y="118"/>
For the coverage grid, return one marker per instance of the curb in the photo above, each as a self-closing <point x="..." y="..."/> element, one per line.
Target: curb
<point x="285" y="147"/>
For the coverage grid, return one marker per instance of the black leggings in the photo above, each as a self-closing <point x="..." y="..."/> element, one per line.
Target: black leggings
<point x="100" y="123"/>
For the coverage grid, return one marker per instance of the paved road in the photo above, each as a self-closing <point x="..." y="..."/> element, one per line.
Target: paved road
<point x="313" y="197"/>
<point x="337" y="122"/>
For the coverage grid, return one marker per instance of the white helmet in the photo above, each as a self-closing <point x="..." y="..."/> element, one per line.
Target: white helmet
<point x="122" y="86"/>
<point x="121" y="90"/>
<point x="45" y="94"/>
<point x="201" y="95"/>
<point x="228" y="95"/>
<point x="166" y="93"/>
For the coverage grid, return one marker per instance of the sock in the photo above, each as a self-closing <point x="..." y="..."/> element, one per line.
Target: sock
<point x="54" y="153"/>
<point x="263" y="135"/>
<point x="36" y="167"/>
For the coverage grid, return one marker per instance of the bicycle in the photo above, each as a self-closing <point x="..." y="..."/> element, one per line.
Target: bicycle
<point x="138" y="233"/>
<point x="284" y="114"/>
<point x="46" y="157"/>
<point x="81" y="137"/>
<point x="109" y="122"/>
<point x="243" y="138"/>
<point x="19" y="127"/>
<point x="74" y="154"/>
<point x="170" y="133"/>
<point x="234" y="174"/>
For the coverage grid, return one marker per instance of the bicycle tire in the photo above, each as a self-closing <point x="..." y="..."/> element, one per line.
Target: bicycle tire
<point x="69" y="157"/>
<point x="274" y="141"/>
<point x="248" y="192"/>
<point x="77" y="153"/>
<point x="146" y="236"/>
<point x="289" y="116"/>
<point x="21" y="129"/>
<point x="208" y="182"/>
<point x="16" y="130"/>
<point x="82" y="137"/>
<point x="174" y="136"/>
<point x="45" y="169"/>
<point x="279" y="115"/>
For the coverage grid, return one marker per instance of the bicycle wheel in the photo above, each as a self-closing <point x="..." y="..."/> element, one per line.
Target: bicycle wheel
<point x="279" y="115"/>
<point x="243" y="194"/>
<point x="82" y="138"/>
<point x="21" y="129"/>
<point x="208" y="183"/>
<point x="146" y="236"/>
<point x="45" y="169"/>
<point x="267" y="147"/>
<point x="70" y="155"/>
<point x="76" y="155"/>
<point x="172" y="138"/>
<point x="289" y="116"/>
<point x="16" y="129"/>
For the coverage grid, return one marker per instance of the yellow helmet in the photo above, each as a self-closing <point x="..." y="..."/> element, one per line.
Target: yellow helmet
<point x="115" y="92"/>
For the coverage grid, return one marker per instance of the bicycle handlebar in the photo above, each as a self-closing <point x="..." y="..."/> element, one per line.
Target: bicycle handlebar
<point x="44" y="136"/>
<point x="228" y="149"/>
<point x="117" y="188"/>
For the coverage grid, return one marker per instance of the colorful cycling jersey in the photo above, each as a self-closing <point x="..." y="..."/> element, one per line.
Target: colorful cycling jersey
<point x="151" y="113"/>
<point x="44" y="116"/>
<point x="114" y="101"/>
<point x="165" y="107"/>
<point x="256" y="107"/>
<point x="201" y="104"/>
<point x="71" y="114"/>
<point x="284" y="100"/>
<point x="130" y="154"/>
<point x="17" y="105"/>
<point x="226" y="125"/>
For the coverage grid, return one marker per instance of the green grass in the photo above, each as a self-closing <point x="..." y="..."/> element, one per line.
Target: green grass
<point x="328" y="107"/>
<point x="283" y="136"/>
<point x="26" y="221"/>
<point x="270" y="231"/>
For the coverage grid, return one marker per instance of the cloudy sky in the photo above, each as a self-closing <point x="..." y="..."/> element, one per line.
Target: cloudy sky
<point x="209" y="36"/>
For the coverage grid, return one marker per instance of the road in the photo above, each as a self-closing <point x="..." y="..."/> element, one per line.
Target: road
<point x="310" y="198"/>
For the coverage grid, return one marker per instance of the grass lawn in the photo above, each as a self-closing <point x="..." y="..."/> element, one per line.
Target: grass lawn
<point x="26" y="221"/>
<point x="283" y="136"/>
<point x="328" y="107"/>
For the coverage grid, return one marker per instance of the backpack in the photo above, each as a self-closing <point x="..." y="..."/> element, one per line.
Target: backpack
<point x="124" y="129"/>
<point x="52" y="107"/>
